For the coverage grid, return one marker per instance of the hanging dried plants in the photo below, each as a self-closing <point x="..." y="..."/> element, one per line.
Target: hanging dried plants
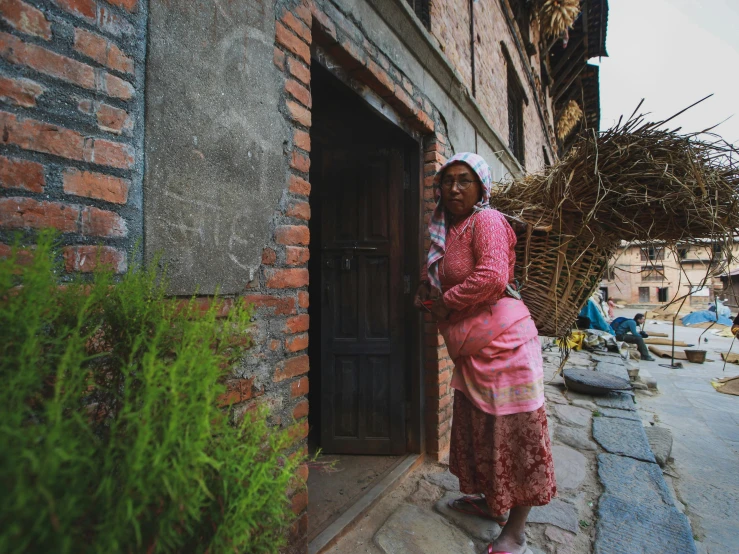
<point x="571" y="116"/>
<point x="556" y="16"/>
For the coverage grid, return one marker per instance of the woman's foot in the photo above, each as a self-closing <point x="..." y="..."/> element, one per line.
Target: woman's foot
<point x="507" y="544"/>
<point x="477" y="506"/>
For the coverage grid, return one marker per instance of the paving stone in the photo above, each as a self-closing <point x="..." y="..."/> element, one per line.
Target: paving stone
<point x="633" y="481"/>
<point x="587" y="404"/>
<point x="570" y="467"/>
<point x="557" y="535"/>
<point x="622" y="436"/>
<point x="445" y="480"/>
<point x="558" y="512"/>
<point x="626" y="527"/>
<point x="660" y="441"/>
<point x="616" y="400"/>
<point x="615" y="369"/>
<point x="647" y="378"/>
<point x="575" y="437"/>
<point x="477" y="527"/>
<point x="624" y="414"/>
<point x="535" y="550"/>
<point x="414" y="530"/>
<point x="425" y="494"/>
<point x="572" y="416"/>
<point x="554" y="395"/>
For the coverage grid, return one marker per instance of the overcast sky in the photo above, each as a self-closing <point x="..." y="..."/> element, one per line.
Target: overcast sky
<point x="672" y="53"/>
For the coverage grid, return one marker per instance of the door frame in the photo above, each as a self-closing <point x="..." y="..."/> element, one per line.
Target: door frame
<point x="413" y="215"/>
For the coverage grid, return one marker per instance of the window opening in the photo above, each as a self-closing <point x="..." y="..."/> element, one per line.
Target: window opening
<point x="652" y="273"/>
<point x="515" y="116"/>
<point x="662" y="294"/>
<point x="652" y="253"/>
<point x="644" y="295"/>
<point x="422" y="10"/>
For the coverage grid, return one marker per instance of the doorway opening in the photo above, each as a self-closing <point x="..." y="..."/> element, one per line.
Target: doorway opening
<point x="644" y="296"/>
<point x="663" y="294"/>
<point x="363" y="260"/>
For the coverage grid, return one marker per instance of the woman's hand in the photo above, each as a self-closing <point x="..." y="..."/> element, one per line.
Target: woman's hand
<point x="423" y="294"/>
<point x="439" y="309"/>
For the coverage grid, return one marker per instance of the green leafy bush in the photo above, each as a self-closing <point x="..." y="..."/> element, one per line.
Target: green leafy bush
<point x="111" y="439"/>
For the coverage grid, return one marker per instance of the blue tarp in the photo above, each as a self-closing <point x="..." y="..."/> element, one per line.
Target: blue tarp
<point x="597" y="321"/>
<point x="703" y="317"/>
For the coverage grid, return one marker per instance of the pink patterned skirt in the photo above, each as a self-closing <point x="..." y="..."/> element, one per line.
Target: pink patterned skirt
<point x="507" y="458"/>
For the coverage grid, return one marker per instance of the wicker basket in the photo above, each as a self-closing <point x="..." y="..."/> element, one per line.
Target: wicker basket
<point x="558" y="274"/>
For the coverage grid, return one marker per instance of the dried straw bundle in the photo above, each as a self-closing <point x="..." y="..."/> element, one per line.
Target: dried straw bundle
<point x="556" y="16"/>
<point x="636" y="181"/>
<point x="571" y="116"/>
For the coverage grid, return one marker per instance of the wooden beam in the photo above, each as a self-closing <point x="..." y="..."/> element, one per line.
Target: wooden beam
<point x="568" y="54"/>
<point x="562" y="87"/>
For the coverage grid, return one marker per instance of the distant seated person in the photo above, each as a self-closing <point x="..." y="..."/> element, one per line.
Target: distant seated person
<point x="735" y="326"/>
<point x="627" y="331"/>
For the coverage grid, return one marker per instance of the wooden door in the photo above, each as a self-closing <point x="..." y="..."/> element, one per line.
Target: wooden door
<point x="644" y="296"/>
<point x="362" y="311"/>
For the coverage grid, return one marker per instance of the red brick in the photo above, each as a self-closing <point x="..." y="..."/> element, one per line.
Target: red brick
<point x="434" y="157"/>
<point x="287" y="278"/>
<point x="299" y="186"/>
<point x="299" y="502"/>
<point x="301" y="409"/>
<point x="378" y="79"/>
<point x="26" y="213"/>
<point x="299" y="70"/>
<point x="279" y="58"/>
<point x="298" y="113"/>
<point x="301" y="140"/>
<point x="281" y="306"/>
<point x="303" y="299"/>
<point x="300" y="93"/>
<point x="20" y="92"/>
<point x="297" y="26"/>
<point x="300" y="162"/>
<point x="85" y="259"/>
<point x="297" y="324"/>
<point x="444" y="402"/>
<point x="105" y="152"/>
<point x="299" y="387"/>
<point x="117" y="87"/>
<point x="292" y="235"/>
<point x="113" y="119"/>
<point x="299" y="431"/>
<point x="128" y="5"/>
<point x="299" y="210"/>
<point x="41" y="137"/>
<point x="296" y="255"/>
<point x="292" y="43"/>
<point x="102" y="223"/>
<point x="274" y="345"/>
<point x="424" y="122"/>
<point x="349" y="54"/>
<point x="302" y="473"/>
<point x="238" y="390"/>
<point x="292" y="368"/>
<point x="21" y="174"/>
<point x="25" y="18"/>
<point x="112" y="23"/>
<point x="269" y="256"/>
<point x="102" y="51"/>
<point x="296" y="343"/>
<point x="83" y="8"/>
<point x="15" y="51"/>
<point x="303" y="12"/>
<point x="25" y="257"/>
<point x="96" y="185"/>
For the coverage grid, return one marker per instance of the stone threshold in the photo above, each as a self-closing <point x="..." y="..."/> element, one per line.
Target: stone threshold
<point x="329" y="536"/>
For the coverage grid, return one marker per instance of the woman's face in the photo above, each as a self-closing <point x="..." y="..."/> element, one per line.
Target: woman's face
<point x="460" y="189"/>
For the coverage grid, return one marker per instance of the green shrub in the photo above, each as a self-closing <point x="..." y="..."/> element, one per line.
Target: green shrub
<point x="111" y="439"/>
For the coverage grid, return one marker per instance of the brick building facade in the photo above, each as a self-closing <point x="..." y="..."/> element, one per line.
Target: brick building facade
<point x="196" y="130"/>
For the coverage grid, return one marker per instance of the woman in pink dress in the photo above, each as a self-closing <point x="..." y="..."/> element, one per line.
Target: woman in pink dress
<point x="500" y="447"/>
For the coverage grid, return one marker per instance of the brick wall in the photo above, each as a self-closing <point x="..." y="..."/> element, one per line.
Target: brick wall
<point x="71" y="81"/>
<point x="450" y="25"/>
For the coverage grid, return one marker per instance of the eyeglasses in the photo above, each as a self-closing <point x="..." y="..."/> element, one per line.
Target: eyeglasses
<point x="462" y="184"/>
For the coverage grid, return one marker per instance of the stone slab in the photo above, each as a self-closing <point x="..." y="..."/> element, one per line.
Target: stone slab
<point x="633" y="481"/>
<point x="425" y="493"/>
<point x="445" y="480"/>
<point x="558" y="512"/>
<point x="572" y="416"/>
<point x="649" y="529"/>
<point x="623" y="414"/>
<point x="622" y="436"/>
<point x="575" y="437"/>
<point x="477" y="527"/>
<point x="615" y="369"/>
<point x="660" y="441"/>
<point x="617" y="400"/>
<point x="414" y="530"/>
<point x="570" y="467"/>
<point x="580" y="403"/>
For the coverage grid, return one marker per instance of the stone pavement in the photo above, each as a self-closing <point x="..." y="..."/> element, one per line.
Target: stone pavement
<point x="612" y="498"/>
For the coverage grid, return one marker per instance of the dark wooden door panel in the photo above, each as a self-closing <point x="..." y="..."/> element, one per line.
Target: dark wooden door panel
<point x="362" y="327"/>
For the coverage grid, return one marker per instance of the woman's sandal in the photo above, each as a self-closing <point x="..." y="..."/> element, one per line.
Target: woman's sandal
<point x="468" y="505"/>
<point x="491" y="551"/>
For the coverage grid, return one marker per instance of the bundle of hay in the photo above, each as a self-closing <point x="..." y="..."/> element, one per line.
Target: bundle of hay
<point x="568" y="120"/>
<point x="556" y="16"/>
<point x="636" y="181"/>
